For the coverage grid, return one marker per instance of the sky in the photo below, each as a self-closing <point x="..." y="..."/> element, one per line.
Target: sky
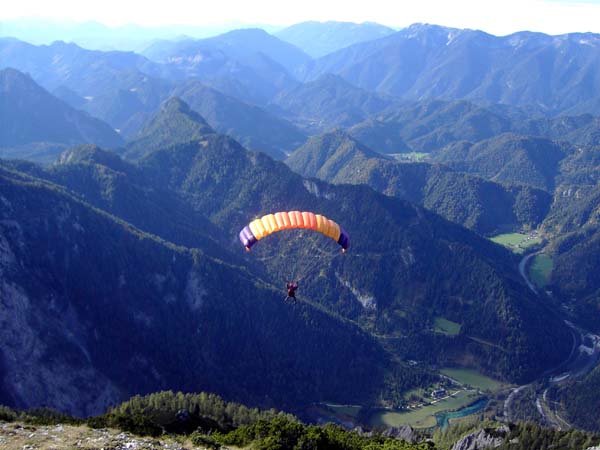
<point x="495" y="17"/>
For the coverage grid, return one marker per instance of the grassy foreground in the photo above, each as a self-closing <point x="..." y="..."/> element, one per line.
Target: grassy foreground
<point x="19" y="436"/>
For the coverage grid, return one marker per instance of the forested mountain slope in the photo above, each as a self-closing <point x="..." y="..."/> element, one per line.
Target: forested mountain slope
<point x="471" y="201"/>
<point x="95" y="310"/>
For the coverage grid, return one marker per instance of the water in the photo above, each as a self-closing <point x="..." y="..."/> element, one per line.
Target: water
<point x="443" y="418"/>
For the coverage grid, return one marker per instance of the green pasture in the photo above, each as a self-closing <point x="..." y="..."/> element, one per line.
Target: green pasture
<point x="540" y="270"/>
<point x="423" y="417"/>
<point x="445" y="326"/>
<point x="411" y="156"/>
<point x="473" y="378"/>
<point x="516" y="242"/>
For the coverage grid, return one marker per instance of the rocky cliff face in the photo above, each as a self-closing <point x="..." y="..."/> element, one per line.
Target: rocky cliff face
<point x="34" y="372"/>
<point x="482" y="439"/>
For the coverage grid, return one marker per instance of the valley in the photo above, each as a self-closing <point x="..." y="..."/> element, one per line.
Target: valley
<point x="459" y="171"/>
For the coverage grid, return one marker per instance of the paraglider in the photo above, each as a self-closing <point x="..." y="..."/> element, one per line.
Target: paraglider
<point x="291" y="291"/>
<point x="272" y="223"/>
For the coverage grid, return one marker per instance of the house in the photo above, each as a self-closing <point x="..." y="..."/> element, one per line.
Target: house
<point x="438" y="393"/>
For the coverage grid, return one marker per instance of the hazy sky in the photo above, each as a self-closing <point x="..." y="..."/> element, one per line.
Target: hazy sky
<point x="496" y="17"/>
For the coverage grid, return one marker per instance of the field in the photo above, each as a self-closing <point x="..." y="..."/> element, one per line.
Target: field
<point x="410" y="157"/>
<point x="446" y="326"/>
<point x="423" y="417"/>
<point x="517" y="242"/>
<point x="540" y="270"/>
<point x="473" y="378"/>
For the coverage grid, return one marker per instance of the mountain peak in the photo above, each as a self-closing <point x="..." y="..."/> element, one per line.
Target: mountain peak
<point x="337" y="139"/>
<point x="322" y="152"/>
<point x="321" y="38"/>
<point x="247" y="32"/>
<point x="176" y="105"/>
<point x="175" y="122"/>
<point x="418" y="28"/>
<point x="13" y="79"/>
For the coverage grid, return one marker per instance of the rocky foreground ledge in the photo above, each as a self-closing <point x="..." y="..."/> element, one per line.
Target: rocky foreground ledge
<point x="19" y="436"/>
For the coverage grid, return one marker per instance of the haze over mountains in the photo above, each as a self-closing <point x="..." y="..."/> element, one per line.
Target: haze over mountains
<point x="319" y="39"/>
<point x="125" y="178"/>
<point x="37" y="125"/>
<point x="554" y="73"/>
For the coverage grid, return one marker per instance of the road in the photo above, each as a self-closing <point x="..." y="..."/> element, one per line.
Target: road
<point x="580" y="361"/>
<point x="523" y="266"/>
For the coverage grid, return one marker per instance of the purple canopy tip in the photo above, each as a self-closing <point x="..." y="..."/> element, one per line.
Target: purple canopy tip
<point x="344" y="239"/>
<point x="246" y="237"/>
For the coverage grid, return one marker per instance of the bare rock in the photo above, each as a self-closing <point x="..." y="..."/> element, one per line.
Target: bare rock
<point x="482" y="439"/>
<point x="405" y="432"/>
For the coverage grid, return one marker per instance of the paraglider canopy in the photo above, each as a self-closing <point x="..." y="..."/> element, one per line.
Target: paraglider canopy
<point x="271" y="223"/>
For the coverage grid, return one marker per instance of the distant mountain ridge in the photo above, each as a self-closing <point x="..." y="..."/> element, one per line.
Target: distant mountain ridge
<point x="320" y="38"/>
<point x="37" y="125"/>
<point x="558" y="73"/>
<point x="427" y="125"/>
<point x="97" y="36"/>
<point x="87" y="72"/>
<point x="508" y="158"/>
<point x="255" y="128"/>
<point x="471" y="201"/>
<point x="329" y="102"/>
<point x="240" y="44"/>
<point x="250" y="61"/>
<point x="111" y="86"/>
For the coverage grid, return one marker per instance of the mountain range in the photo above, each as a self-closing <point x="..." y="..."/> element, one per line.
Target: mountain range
<point x="97" y="36"/>
<point x="250" y="61"/>
<point x="254" y="127"/>
<point x="556" y="73"/>
<point x="39" y="126"/>
<point x="472" y="201"/>
<point x="216" y="179"/>
<point x="121" y="272"/>
<point x="429" y="125"/>
<point x="329" y="102"/>
<point x="320" y="38"/>
<point x="508" y="158"/>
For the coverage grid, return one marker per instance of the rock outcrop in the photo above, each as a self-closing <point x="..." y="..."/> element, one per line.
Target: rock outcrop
<point x="482" y="439"/>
